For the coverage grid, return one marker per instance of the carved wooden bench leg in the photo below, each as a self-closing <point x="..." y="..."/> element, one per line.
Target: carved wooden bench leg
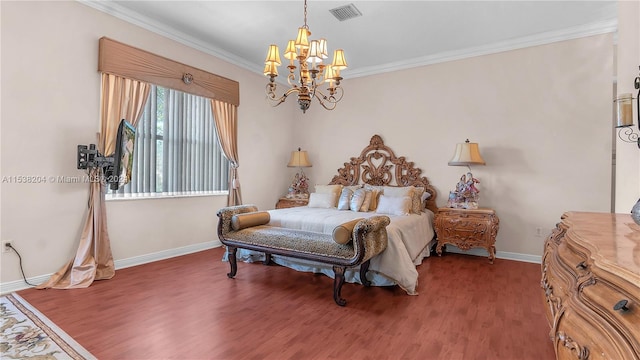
<point x="267" y="259"/>
<point x="231" y="254"/>
<point x="364" y="267"/>
<point x="338" y="280"/>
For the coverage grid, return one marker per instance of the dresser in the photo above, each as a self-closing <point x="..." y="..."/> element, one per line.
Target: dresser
<point x="591" y="286"/>
<point x="467" y="228"/>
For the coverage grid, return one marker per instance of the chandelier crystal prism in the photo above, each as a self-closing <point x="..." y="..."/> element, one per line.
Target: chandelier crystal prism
<point x="311" y="72"/>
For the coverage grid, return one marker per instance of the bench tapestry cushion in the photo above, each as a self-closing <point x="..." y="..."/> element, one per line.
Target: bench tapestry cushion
<point x="297" y="240"/>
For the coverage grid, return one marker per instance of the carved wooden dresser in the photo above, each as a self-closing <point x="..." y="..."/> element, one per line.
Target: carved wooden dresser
<point x="466" y="229"/>
<point x="591" y="286"/>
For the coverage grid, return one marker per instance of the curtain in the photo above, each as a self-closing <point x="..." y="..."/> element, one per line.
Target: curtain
<point x="121" y="99"/>
<point x="226" y="119"/>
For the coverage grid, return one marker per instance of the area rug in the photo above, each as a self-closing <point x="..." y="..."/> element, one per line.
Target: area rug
<point x="28" y="334"/>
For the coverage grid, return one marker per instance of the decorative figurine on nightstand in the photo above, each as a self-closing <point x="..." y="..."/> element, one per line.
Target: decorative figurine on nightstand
<point x="299" y="188"/>
<point x="466" y="194"/>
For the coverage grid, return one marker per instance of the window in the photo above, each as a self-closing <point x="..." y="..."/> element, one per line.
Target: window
<point x="177" y="151"/>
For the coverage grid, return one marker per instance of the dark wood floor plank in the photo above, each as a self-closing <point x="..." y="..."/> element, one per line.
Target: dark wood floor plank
<point x="187" y="308"/>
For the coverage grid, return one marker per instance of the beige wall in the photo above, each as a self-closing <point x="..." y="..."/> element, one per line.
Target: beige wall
<point x="541" y="115"/>
<point x="628" y="60"/>
<point x="50" y="104"/>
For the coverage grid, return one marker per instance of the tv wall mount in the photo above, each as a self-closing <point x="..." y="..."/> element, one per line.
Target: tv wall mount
<point x="89" y="157"/>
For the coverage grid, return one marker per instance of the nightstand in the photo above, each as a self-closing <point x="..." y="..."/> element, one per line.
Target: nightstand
<point x="467" y="229"/>
<point x="284" y="203"/>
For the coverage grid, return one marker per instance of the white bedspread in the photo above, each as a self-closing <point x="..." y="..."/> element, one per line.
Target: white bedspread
<point x="409" y="241"/>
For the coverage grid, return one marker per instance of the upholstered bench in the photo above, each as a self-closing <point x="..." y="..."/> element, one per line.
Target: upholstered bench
<point x="350" y="245"/>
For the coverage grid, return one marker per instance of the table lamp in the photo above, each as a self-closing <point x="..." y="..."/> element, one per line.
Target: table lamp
<point x="299" y="188"/>
<point x="465" y="195"/>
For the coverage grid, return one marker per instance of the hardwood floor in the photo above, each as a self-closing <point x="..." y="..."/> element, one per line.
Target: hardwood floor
<point x="187" y="308"/>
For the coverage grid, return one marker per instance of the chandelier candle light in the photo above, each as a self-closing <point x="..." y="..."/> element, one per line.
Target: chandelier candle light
<point x="311" y="71"/>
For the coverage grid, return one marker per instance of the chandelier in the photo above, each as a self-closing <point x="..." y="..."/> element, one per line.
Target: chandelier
<point x="311" y="72"/>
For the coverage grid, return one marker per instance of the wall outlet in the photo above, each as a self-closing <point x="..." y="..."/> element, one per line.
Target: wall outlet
<point x="539" y="232"/>
<point x="5" y="245"/>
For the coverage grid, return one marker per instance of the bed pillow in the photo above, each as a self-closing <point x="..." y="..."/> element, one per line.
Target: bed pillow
<point x="392" y="205"/>
<point x="367" y="201"/>
<point x="398" y="191"/>
<point x="317" y="200"/>
<point x="357" y="199"/>
<point x="330" y="189"/>
<point x="245" y="220"/>
<point x="343" y="233"/>
<point x="345" y="199"/>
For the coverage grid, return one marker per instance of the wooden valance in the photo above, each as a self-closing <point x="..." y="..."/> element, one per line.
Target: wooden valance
<point x="130" y="62"/>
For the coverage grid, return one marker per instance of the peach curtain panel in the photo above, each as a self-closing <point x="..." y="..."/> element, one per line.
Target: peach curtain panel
<point x="133" y="63"/>
<point x="226" y="119"/>
<point x="121" y="99"/>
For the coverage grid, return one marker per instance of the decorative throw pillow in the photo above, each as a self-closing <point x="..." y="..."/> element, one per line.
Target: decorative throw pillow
<point x="343" y="233"/>
<point x="317" y="200"/>
<point x="376" y="191"/>
<point x="245" y="220"/>
<point x="417" y="204"/>
<point x="367" y="201"/>
<point x="345" y="199"/>
<point x="394" y="205"/>
<point x="357" y="199"/>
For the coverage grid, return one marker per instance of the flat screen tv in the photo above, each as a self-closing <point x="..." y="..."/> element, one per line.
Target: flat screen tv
<point x="120" y="173"/>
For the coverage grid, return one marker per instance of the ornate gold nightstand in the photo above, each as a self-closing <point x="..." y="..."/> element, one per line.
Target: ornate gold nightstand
<point x="467" y="229"/>
<point x="289" y="203"/>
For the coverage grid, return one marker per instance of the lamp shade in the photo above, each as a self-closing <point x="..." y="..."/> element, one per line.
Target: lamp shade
<point x="323" y="48"/>
<point x="329" y="75"/>
<point x="315" y="53"/>
<point x="290" y="53"/>
<point x="466" y="154"/>
<point x="299" y="159"/>
<point x="339" y="62"/>
<point x="302" y="40"/>
<point x="271" y="69"/>
<point x="273" y="55"/>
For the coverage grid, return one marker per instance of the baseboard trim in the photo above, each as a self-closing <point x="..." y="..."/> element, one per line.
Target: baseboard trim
<point x="18" y="285"/>
<point x="499" y="254"/>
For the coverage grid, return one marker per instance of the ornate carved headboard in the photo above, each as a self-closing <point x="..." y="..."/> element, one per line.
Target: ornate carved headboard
<point x="377" y="165"/>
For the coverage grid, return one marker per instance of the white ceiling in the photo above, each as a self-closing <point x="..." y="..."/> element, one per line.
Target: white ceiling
<point x="390" y="35"/>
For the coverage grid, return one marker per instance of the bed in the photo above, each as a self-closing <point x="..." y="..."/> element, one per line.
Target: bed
<point x="378" y="171"/>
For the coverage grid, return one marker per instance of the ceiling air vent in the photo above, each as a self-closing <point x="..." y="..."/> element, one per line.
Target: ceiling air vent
<point x="346" y="12"/>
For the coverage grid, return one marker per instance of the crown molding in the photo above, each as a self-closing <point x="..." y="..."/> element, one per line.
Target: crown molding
<point x="596" y="28"/>
<point x="144" y="22"/>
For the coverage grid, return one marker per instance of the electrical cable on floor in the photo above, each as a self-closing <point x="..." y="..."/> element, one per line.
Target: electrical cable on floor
<point x="20" y="260"/>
